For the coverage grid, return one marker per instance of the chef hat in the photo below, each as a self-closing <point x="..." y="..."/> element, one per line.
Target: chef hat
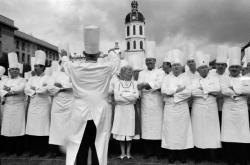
<point x="32" y="62"/>
<point x="91" y="39"/>
<point x="234" y="56"/>
<point x="20" y="66"/>
<point x="168" y="57"/>
<point x="27" y="75"/>
<point x="2" y="71"/>
<point x="190" y="51"/>
<point x="222" y="54"/>
<point x="13" y="60"/>
<point x="40" y="57"/>
<point x="150" y="53"/>
<point x="201" y="59"/>
<point x="64" y="47"/>
<point x="247" y="54"/>
<point x="177" y="57"/>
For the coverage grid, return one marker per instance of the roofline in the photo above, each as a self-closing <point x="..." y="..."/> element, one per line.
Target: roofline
<point x="8" y="25"/>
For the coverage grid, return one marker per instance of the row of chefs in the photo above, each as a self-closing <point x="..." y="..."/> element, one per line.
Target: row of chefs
<point x="170" y="123"/>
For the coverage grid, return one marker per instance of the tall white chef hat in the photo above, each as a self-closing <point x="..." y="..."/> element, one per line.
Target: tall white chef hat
<point x="202" y="59"/>
<point x="40" y="57"/>
<point x="222" y="54"/>
<point x="234" y="56"/>
<point x="13" y="60"/>
<point x="91" y="39"/>
<point x="2" y="71"/>
<point x="177" y="57"/>
<point x="247" y="54"/>
<point x="150" y="51"/>
<point x="168" y="57"/>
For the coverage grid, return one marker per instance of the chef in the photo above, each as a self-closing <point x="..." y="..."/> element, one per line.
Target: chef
<point x="149" y="83"/>
<point x="90" y="122"/>
<point x="190" y="69"/>
<point x="13" y="112"/>
<point x="176" y="130"/>
<point x="235" y="131"/>
<point x="60" y="88"/>
<point x="38" y="117"/>
<point x="204" y="115"/>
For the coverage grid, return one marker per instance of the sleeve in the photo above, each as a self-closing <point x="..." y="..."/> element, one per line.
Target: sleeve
<point x="27" y="90"/>
<point x="44" y="88"/>
<point x="185" y="94"/>
<point x="112" y="84"/>
<point x="196" y="91"/>
<point x="2" y="92"/>
<point x="166" y="88"/>
<point x="225" y="87"/>
<point x="19" y="87"/>
<point x="140" y="78"/>
<point x="156" y="84"/>
<point x="114" y="61"/>
<point x="212" y="85"/>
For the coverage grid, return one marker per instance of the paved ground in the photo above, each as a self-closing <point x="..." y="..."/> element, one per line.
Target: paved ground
<point x="138" y="160"/>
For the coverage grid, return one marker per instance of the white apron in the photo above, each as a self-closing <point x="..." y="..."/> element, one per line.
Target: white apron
<point x="151" y="104"/>
<point x="235" y="121"/>
<point x="176" y="129"/>
<point x="13" y="119"/>
<point x="38" y="117"/>
<point x="124" y="119"/>
<point x="61" y="110"/>
<point x="90" y="88"/>
<point x="205" y="118"/>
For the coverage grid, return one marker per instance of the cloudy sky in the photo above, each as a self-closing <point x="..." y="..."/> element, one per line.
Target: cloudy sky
<point x="171" y="23"/>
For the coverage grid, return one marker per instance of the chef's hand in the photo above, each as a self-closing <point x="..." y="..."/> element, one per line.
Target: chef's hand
<point x="59" y="85"/>
<point x="6" y="88"/>
<point x="33" y="88"/>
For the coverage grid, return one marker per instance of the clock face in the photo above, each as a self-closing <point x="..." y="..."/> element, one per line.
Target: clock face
<point x="133" y="17"/>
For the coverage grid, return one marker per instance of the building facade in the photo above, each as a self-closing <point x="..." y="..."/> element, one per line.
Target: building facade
<point x="23" y="44"/>
<point x="135" y="38"/>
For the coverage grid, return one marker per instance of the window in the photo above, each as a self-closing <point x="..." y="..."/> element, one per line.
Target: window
<point x="128" y="45"/>
<point x="134" y="44"/>
<point x="141" y="45"/>
<point x="23" y="57"/>
<point x="23" y="46"/>
<point x="128" y="32"/>
<point x="134" y="30"/>
<point x="17" y="44"/>
<point x="28" y="59"/>
<point x="18" y="56"/>
<point x="141" y="33"/>
<point x="28" y="47"/>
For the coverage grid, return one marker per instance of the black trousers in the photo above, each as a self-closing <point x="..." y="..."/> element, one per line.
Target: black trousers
<point x="38" y="145"/>
<point x="235" y="152"/>
<point x="152" y="147"/>
<point x="88" y="141"/>
<point x="13" y="145"/>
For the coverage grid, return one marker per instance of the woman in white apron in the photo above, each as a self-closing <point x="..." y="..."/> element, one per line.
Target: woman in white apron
<point x="204" y="115"/>
<point x="60" y="88"/>
<point x="125" y="94"/>
<point x="13" y="112"/>
<point x="176" y="130"/>
<point x="38" y="117"/>
<point x="235" y="133"/>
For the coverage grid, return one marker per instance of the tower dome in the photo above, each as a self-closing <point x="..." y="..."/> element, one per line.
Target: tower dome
<point x="134" y="15"/>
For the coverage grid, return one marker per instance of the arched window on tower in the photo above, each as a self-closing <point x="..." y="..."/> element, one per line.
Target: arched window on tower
<point x="128" y="32"/>
<point x="128" y="45"/>
<point x="134" y="30"/>
<point x="141" y="33"/>
<point x="134" y="44"/>
<point x="141" y="45"/>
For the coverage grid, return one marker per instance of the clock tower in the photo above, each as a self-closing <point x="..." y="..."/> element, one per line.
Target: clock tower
<point x="135" y="37"/>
